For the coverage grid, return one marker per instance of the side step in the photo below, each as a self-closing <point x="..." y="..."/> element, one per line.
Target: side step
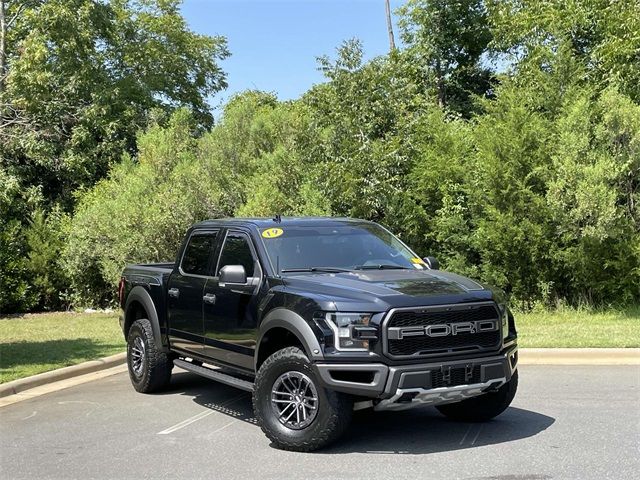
<point x="215" y="375"/>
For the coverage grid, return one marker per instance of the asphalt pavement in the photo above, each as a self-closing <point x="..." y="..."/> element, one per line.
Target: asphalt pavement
<point x="566" y="422"/>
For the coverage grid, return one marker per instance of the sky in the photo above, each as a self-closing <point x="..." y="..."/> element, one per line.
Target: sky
<point x="274" y="43"/>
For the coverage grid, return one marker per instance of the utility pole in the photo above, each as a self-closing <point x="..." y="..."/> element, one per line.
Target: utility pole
<point x="392" y="43"/>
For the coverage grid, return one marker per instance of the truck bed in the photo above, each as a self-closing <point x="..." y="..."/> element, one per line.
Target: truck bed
<point x="143" y="271"/>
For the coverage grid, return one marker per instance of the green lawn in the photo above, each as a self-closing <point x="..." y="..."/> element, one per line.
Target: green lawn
<point x="579" y="328"/>
<point x="35" y="343"/>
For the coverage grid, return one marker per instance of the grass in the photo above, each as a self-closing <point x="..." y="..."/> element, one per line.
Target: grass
<point x="36" y="343"/>
<point x="579" y="328"/>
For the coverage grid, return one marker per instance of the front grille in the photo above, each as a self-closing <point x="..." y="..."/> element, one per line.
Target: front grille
<point x="456" y="376"/>
<point x="423" y="345"/>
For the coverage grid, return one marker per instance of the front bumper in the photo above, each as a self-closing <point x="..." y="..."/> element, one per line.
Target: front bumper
<point x="399" y="387"/>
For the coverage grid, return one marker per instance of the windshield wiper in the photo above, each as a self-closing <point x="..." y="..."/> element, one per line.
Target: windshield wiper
<point x="315" y="269"/>
<point x="381" y="267"/>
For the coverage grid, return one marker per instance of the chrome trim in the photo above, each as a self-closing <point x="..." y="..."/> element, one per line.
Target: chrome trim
<point x="438" y="396"/>
<point x="452" y="306"/>
<point x="510" y="343"/>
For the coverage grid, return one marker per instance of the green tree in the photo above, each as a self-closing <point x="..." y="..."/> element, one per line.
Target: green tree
<point x="45" y="239"/>
<point x="81" y="78"/>
<point x="593" y="196"/>
<point x="358" y="118"/>
<point x="78" y="80"/>
<point x="16" y="293"/>
<point x="446" y="41"/>
<point x="141" y="211"/>
<point x="601" y="34"/>
<point x="247" y="165"/>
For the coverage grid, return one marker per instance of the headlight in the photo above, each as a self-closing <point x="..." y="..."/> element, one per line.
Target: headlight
<point x="351" y="331"/>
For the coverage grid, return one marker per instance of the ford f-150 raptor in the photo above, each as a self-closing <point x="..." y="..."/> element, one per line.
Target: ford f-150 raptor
<point x="318" y="317"/>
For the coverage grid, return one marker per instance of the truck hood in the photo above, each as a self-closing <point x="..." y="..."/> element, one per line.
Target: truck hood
<point x="379" y="290"/>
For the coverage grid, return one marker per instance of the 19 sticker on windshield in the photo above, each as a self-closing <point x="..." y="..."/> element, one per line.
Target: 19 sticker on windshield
<point x="272" y="233"/>
<point x="418" y="263"/>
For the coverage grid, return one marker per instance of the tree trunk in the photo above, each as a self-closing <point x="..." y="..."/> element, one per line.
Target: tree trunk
<point x="3" y="47"/>
<point x="392" y="43"/>
<point x="440" y="86"/>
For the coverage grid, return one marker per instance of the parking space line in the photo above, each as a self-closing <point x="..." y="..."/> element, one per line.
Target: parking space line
<point x="199" y="416"/>
<point x="186" y="422"/>
<point x="472" y="428"/>
<point x="224" y="426"/>
<point x="465" y="435"/>
<point x="477" y="435"/>
<point x="30" y="416"/>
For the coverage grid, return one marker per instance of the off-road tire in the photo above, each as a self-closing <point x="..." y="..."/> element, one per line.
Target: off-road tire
<point x="334" y="408"/>
<point x="155" y="372"/>
<point x="484" y="407"/>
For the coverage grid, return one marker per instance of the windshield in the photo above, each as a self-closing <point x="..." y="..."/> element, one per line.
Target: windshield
<point x="348" y="247"/>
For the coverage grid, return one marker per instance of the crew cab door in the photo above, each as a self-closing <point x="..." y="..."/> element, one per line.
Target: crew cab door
<point x="230" y="310"/>
<point x="185" y="291"/>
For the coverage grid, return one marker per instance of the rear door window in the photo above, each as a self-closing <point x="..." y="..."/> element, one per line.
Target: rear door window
<point x="195" y="260"/>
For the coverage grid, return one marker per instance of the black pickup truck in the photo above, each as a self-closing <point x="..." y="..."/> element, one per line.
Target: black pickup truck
<point x="318" y="317"/>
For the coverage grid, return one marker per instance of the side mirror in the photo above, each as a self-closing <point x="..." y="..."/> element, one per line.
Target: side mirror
<point x="232" y="274"/>
<point x="432" y="263"/>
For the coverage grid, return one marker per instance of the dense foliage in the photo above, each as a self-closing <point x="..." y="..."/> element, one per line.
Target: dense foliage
<point x="525" y="175"/>
<point x="78" y="80"/>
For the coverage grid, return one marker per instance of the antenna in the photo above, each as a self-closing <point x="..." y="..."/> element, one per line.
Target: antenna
<point x="277" y="218"/>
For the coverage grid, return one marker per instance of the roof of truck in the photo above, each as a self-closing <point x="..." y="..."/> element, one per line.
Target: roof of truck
<point x="264" y="222"/>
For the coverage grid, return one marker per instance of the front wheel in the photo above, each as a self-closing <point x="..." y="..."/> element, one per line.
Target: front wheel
<point x="294" y="411"/>
<point x="484" y="407"/>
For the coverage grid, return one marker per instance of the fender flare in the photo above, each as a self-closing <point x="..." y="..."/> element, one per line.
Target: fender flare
<point x="141" y="295"/>
<point x="289" y="320"/>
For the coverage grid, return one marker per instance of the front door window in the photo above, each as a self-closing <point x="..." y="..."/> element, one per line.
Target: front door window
<point x="236" y="251"/>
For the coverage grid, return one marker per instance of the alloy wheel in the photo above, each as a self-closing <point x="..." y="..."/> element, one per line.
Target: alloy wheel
<point x="138" y="356"/>
<point x="294" y="400"/>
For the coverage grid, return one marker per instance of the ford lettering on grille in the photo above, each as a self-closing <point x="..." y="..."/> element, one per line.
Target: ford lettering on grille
<point x="444" y="329"/>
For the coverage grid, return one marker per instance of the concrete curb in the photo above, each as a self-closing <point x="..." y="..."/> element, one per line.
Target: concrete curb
<point x="22" y="384"/>
<point x="579" y="356"/>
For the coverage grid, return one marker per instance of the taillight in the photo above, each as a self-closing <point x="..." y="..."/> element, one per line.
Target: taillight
<point x="121" y="290"/>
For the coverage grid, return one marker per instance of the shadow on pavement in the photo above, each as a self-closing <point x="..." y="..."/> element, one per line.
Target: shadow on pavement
<point x="421" y="430"/>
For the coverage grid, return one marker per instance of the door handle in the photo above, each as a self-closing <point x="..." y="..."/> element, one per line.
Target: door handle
<point x="209" y="298"/>
<point x="173" y="292"/>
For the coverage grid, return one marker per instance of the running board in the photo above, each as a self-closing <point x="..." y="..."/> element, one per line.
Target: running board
<point x="215" y="375"/>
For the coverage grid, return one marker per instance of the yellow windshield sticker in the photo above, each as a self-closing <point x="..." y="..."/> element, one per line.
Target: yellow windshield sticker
<point x="272" y="233"/>
<point x="418" y="263"/>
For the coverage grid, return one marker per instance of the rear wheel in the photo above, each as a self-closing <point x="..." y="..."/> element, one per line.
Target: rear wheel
<point x="293" y="409"/>
<point x="484" y="407"/>
<point x="149" y="367"/>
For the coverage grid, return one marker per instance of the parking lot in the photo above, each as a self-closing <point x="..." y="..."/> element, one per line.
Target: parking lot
<point x="566" y="422"/>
